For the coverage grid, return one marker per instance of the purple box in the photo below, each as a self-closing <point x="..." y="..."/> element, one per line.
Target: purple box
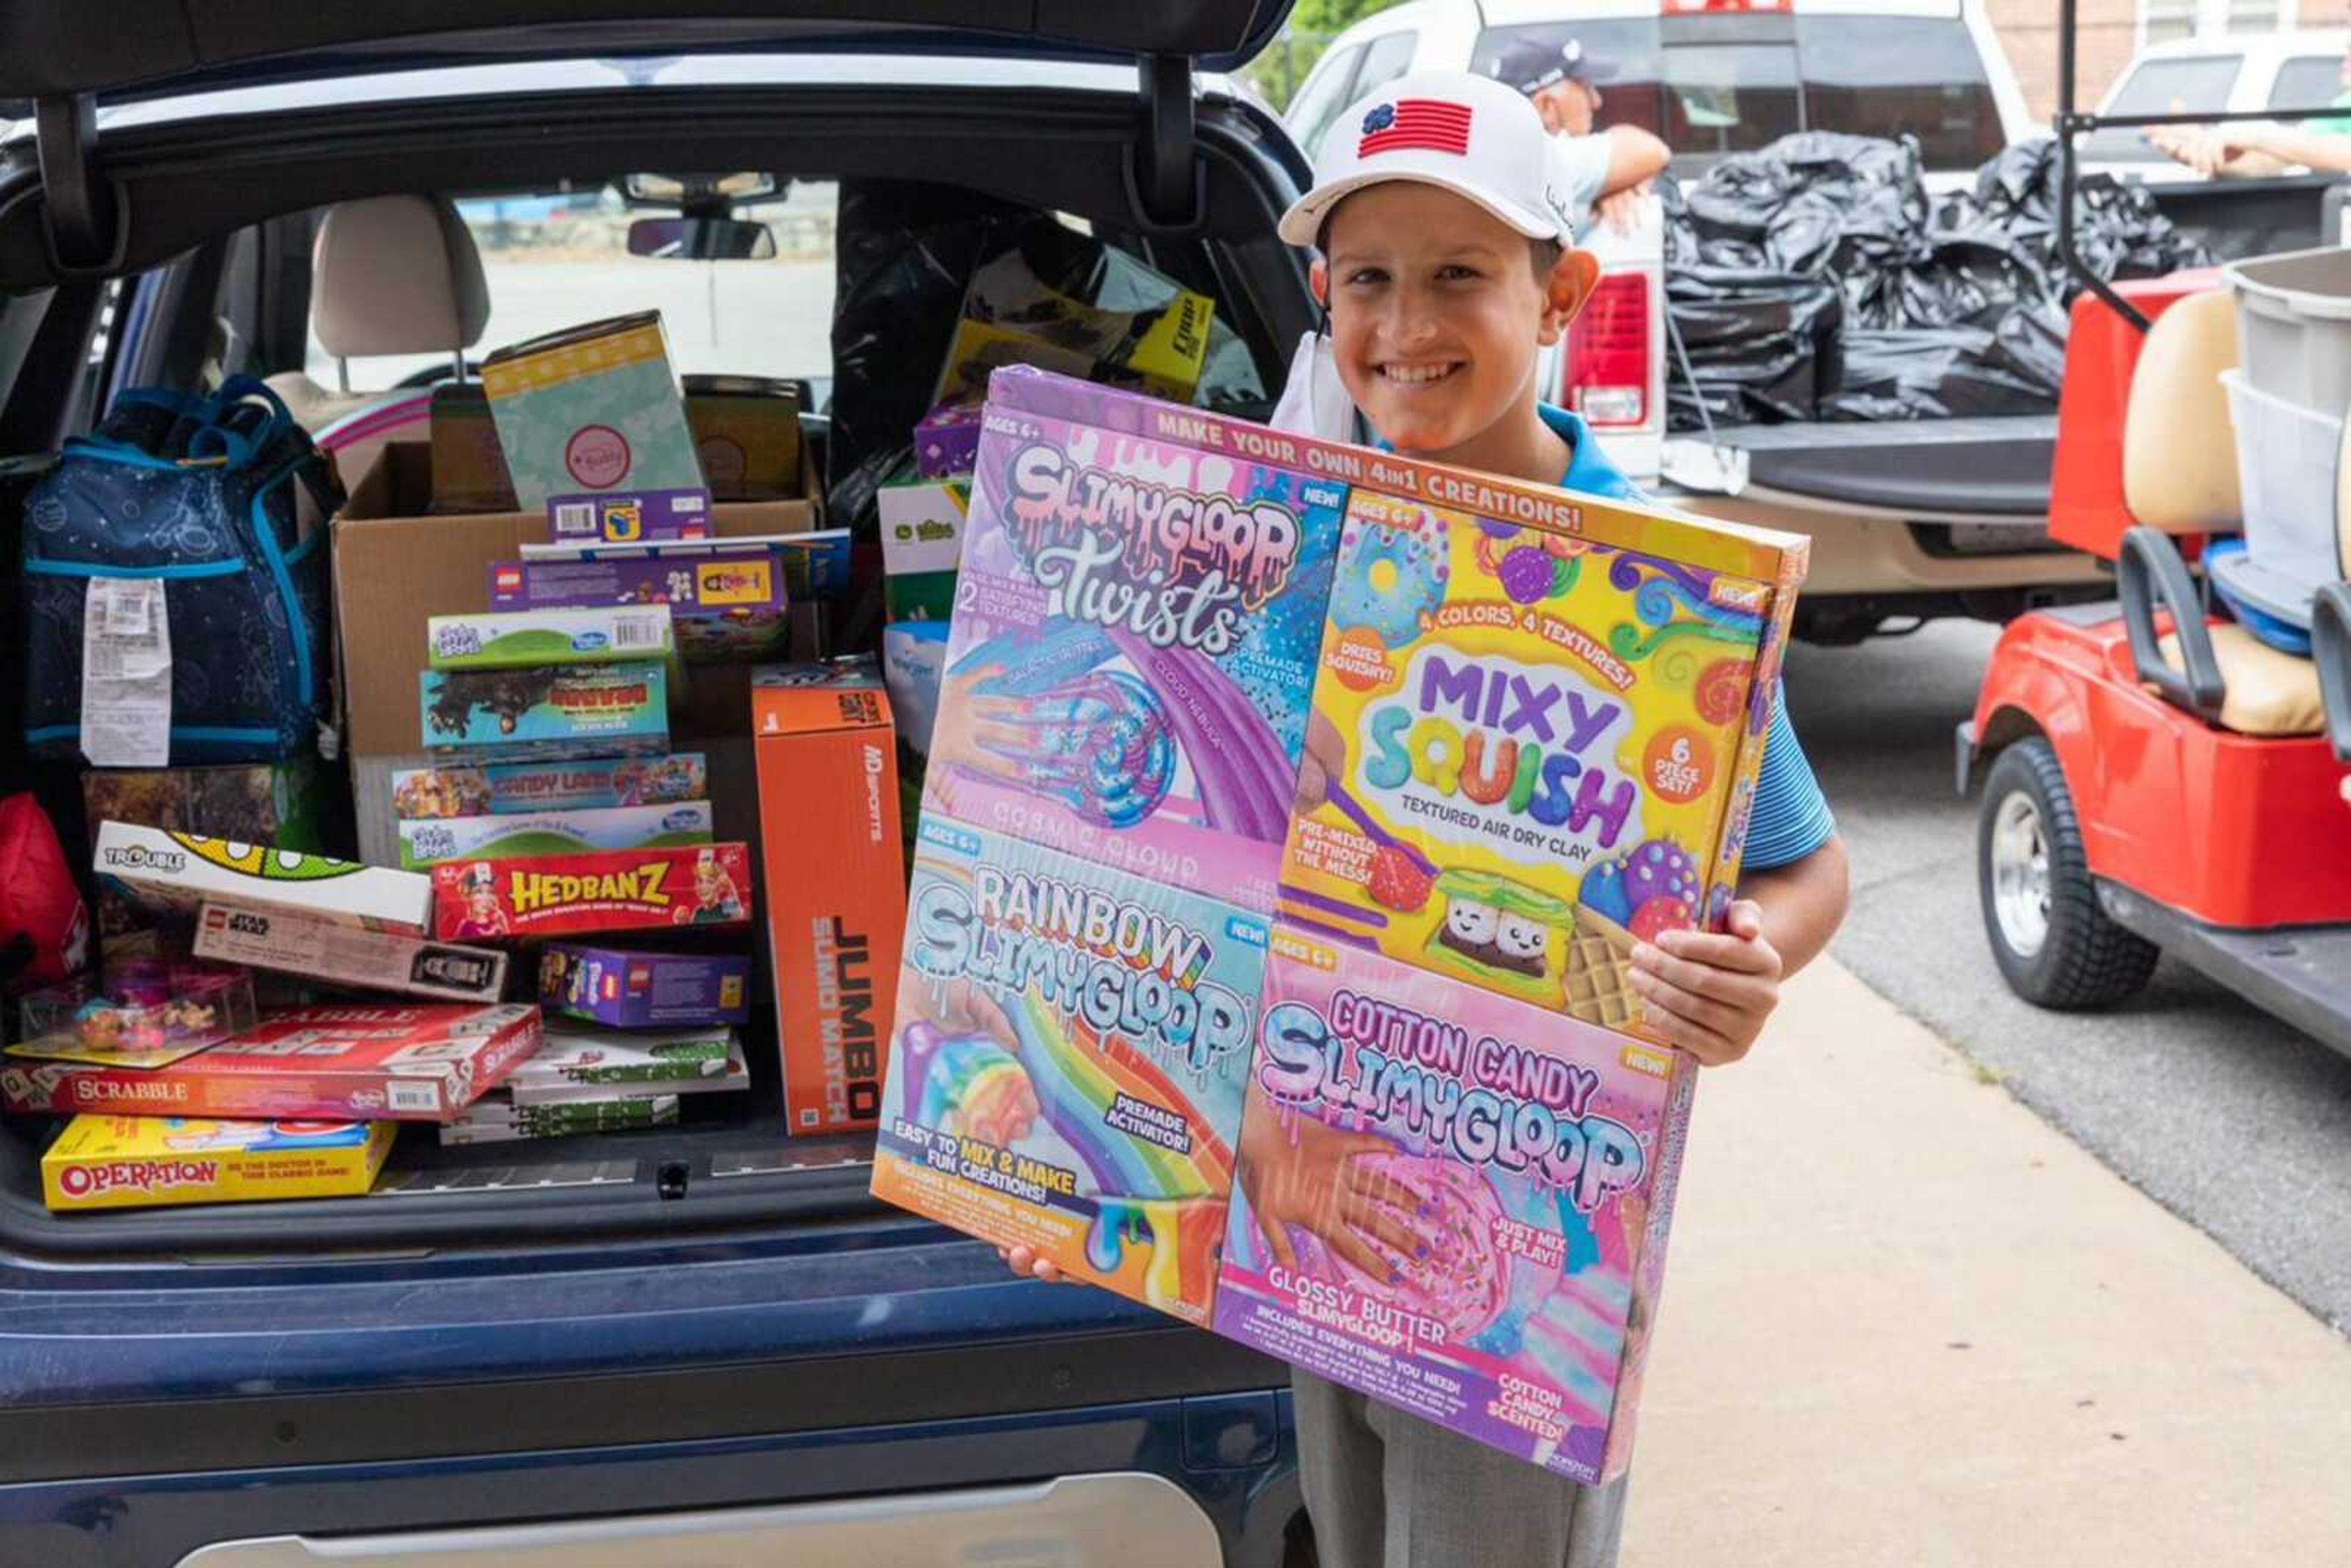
<point x="946" y="443"/>
<point x="629" y="517"/>
<point x="727" y="601"/>
<point x="632" y="989"/>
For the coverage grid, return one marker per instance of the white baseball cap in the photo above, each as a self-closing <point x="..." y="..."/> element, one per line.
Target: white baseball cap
<point x="1468" y="134"/>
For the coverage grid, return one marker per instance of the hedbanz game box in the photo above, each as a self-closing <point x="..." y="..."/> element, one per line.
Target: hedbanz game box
<point x="570" y="895"/>
<point x="1492" y="1263"/>
<point x="354" y="1062"/>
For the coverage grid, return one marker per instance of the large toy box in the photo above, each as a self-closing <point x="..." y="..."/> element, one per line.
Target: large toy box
<point x="183" y="871"/>
<point x="1490" y="1260"/>
<point x="1067" y="1060"/>
<point x="1538" y="723"/>
<point x="610" y="890"/>
<point x="1134" y="635"/>
<point x="545" y="715"/>
<point x="594" y="407"/>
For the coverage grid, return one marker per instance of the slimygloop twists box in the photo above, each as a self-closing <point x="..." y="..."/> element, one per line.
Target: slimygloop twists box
<point x="1499" y="1187"/>
<point x="1133" y="642"/>
<point x="1066" y="1063"/>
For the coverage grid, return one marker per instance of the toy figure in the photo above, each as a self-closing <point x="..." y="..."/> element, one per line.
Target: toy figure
<point x="483" y="918"/>
<point x="716" y="901"/>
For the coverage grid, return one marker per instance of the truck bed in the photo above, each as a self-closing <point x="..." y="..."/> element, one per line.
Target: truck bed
<point x="1997" y="469"/>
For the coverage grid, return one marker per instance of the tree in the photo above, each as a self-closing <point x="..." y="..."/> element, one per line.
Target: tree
<point x="1313" y="25"/>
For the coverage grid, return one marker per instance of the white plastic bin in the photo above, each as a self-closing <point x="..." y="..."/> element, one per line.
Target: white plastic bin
<point x="2293" y="326"/>
<point x="2286" y="456"/>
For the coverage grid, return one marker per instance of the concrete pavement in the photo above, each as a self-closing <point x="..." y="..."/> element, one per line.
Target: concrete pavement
<point x="1908" y="1323"/>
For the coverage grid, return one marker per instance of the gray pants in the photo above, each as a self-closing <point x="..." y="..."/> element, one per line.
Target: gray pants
<point x="1388" y="1490"/>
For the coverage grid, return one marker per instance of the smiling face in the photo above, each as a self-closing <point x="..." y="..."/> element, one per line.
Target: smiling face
<point x="1436" y="313"/>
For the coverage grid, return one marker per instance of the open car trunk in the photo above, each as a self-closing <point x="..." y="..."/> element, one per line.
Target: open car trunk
<point x="728" y="1166"/>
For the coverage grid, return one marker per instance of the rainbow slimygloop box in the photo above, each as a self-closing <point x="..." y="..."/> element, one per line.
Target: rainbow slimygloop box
<point x="1510" y="1182"/>
<point x="1066" y="1063"/>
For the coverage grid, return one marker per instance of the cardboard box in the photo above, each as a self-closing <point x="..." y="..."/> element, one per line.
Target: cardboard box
<point x="521" y="836"/>
<point x="594" y="407"/>
<point x="545" y="715"/>
<point x="834" y="865"/>
<point x="610" y="890"/>
<point x="1531" y="1159"/>
<point x="577" y="1057"/>
<point x="513" y="789"/>
<point x="629" y="988"/>
<point x="920" y="596"/>
<point x="1137" y="694"/>
<point x="922" y="524"/>
<point x="946" y="442"/>
<point x="145" y="1162"/>
<point x="358" y="1062"/>
<point x="498" y="1120"/>
<point x="630" y="516"/>
<point x="182" y="871"/>
<point x="395" y="567"/>
<point x="470" y="471"/>
<point x="1067" y="1062"/>
<point x="317" y="949"/>
<point x="746" y="431"/>
<point x="530" y="640"/>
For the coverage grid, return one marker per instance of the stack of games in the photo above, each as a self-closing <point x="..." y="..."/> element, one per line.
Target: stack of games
<point x="559" y="809"/>
<point x="586" y="1080"/>
<point x="1126" y="688"/>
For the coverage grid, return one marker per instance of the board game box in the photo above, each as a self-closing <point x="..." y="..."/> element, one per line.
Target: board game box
<point x="593" y="407"/>
<point x="512" y="787"/>
<point x="146" y="1162"/>
<point x="546" y="715"/>
<point x="498" y="1120"/>
<point x="629" y="988"/>
<point x="1542" y="743"/>
<point x="181" y="871"/>
<point x="304" y="944"/>
<point x="523" y="834"/>
<point x="727" y="599"/>
<point x="577" y="1057"/>
<point x="525" y="639"/>
<point x="610" y="890"/>
<point x="1133" y="644"/>
<point x="1066" y="1062"/>
<point x="356" y="1062"/>
<point x="1510" y="1184"/>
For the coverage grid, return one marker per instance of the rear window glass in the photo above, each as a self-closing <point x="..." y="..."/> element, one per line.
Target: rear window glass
<point x="1893" y="75"/>
<point x="1730" y="97"/>
<point x="2187" y="83"/>
<point x="556" y="260"/>
<point x="2308" y="81"/>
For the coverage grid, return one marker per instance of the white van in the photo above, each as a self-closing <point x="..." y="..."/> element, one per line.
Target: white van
<point x="2246" y="74"/>
<point x="1709" y="82"/>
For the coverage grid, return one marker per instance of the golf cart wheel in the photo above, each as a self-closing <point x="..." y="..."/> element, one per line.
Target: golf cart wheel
<point x="2054" y="944"/>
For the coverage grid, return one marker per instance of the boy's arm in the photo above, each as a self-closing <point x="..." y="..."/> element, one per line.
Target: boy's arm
<point x="1802" y="904"/>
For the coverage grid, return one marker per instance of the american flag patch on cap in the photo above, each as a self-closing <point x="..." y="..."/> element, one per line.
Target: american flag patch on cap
<point x="1427" y="125"/>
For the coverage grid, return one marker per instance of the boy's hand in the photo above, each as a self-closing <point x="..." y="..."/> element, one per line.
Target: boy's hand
<point x="1026" y="1263"/>
<point x="1711" y="993"/>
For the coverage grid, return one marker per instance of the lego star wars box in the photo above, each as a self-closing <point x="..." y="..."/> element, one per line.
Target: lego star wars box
<point x="294" y="944"/>
<point x="834" y="869"/>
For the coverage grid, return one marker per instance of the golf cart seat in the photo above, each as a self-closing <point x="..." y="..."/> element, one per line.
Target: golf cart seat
<point x="2180" y="477"/>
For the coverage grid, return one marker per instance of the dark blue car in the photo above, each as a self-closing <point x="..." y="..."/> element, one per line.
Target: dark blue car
<point x="704" y="1345"/>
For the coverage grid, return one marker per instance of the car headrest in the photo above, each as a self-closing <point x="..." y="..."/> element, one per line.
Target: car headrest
<point x="396" y="274"/>
<point x="2180" y="449"/>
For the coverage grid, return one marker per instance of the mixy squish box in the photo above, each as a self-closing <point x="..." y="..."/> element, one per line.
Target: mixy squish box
<point x="1134" y="642"/>
<point x="1539" y="721"/>
<point x="1066" y="1063"/>
<point x="1491" y="1256"/>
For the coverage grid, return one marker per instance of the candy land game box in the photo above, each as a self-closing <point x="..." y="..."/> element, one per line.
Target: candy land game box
<point x="1491" y="1254"/>
<point x="1538" y="725"/>
<point x="1066" y="1062"/>
<point x="1135" y="636"/>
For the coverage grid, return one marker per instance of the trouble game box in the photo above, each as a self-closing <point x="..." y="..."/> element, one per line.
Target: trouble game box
<point x="354" y="1062"/>
<point x="1545" y="716"/>
<point x="614" y="890"/>
<point x="144" y="1162"/>
<point x="1134" y="637"/>
<point x="182" y="872"/>
<point x="1510" y="1185"/>
<point x="1067" y="1060"/>
<point x="827" y="757"/>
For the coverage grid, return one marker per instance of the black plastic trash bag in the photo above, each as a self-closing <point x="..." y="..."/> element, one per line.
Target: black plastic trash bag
<point x="1765" y="346"/>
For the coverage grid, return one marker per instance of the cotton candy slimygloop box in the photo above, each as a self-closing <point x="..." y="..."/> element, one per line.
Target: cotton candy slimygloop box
<point x="1066" y="1062"/>
<point x="1133" y="640"/>
<point x="1490" y="1257"/>
<point x="1544" y="718"/>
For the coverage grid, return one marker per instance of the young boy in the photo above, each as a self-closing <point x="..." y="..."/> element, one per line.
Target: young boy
<point x="1447" y="262"/>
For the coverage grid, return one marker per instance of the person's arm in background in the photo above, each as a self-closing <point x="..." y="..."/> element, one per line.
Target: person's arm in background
<point x="2253" y="149"/>
<point x="1635" y="158"/>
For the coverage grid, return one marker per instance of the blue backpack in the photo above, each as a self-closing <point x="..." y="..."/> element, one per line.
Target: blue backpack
<point x="225" y="500"/>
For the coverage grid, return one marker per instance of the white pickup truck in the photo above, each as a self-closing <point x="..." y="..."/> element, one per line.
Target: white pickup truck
<point x="1908" y="520"/>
